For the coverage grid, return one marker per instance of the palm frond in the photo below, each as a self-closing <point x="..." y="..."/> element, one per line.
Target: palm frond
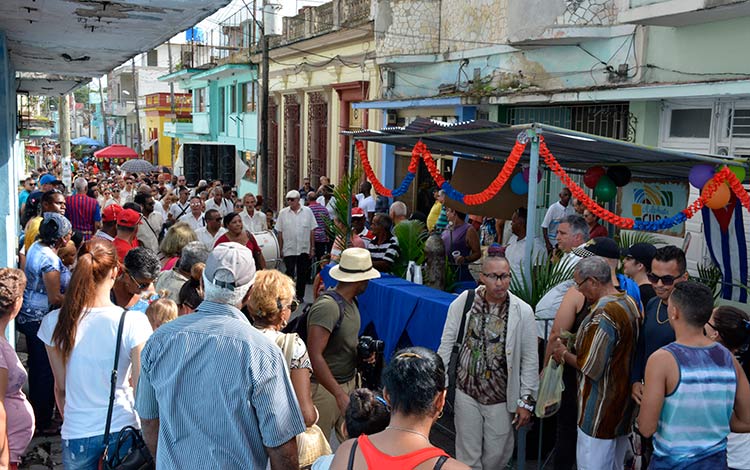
<point x="546" y="275"/>
<point x="342" y="194"/>
<point x="411" y="236"/>
<point x="628" y="238"/>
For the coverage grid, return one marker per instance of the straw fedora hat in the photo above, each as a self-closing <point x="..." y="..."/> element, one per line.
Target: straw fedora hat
<point x="355" y="265"/>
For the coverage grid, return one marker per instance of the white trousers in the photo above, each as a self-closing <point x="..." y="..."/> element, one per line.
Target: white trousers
<point x="600" y="454"/>
<point x="484" y="433"/>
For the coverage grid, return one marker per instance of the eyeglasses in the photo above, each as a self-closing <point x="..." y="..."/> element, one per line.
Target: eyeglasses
<point x="289" y="199"/>
<point x="292" y="306"/>
<point x="580" y="284"/>
<point x="497" y="277"/>
<point x="666" y="280"/>
<point x="140" y="285"/>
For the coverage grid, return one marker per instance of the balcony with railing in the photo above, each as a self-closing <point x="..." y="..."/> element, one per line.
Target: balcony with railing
<point x="571" y="21"/>
<point x="323" y="19"/>
<point x="228" y="43"/>
<point x="675" y="13"/>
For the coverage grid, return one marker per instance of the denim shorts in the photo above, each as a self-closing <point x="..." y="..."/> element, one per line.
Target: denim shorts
<point x="85" y="453"/>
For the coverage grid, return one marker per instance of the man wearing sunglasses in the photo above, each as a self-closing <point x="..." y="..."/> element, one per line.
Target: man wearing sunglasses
<point x="668" y="268"/>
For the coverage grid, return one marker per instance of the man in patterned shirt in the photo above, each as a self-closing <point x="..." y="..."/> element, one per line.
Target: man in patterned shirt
<point x="383" y="247"/>
<point x="604" y="353"/>
<point x="322" y="243"/>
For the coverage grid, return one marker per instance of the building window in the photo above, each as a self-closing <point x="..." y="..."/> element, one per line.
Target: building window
<point x="222" y="109"/>
<point x="738" y="124"/>
<point x="152" y="58"/>
<point x="248" y="97"/>
<point x="233" y="99"/>
<point x="200" y="99"/>
<point x="691" y="123"/>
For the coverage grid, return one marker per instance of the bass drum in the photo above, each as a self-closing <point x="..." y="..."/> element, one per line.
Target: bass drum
<point x="269" y="246"/>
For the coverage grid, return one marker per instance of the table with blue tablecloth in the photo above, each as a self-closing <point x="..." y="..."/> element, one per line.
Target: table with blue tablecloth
<point x="396" y="307"/>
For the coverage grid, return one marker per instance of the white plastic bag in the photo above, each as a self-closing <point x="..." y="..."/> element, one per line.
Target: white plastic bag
<point x="414" y="272"/>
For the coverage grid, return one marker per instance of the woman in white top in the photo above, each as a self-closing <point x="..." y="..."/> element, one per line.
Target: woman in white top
<point x="80" y="339"/>
<point x="271" y="305"/>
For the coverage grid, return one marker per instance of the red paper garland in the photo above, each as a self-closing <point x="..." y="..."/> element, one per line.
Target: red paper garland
<point x="736" y="186"/>
<point x="379" y="188"/>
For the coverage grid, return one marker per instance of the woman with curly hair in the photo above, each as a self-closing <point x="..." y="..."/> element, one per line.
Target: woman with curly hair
<point x="16" y="414"/>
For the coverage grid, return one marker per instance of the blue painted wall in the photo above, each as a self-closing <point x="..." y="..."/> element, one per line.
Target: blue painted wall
<point x="9" y="161"/>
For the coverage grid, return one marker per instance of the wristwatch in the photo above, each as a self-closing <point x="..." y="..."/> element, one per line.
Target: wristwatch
<point x="526" y="406"/>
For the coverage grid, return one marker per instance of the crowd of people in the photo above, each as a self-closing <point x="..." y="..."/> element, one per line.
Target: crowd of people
<point x="210" y="372"/>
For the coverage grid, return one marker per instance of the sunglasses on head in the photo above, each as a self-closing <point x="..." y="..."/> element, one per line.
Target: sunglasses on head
<point x="667" y="280"/>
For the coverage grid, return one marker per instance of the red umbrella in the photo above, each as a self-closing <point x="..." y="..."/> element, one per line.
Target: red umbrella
<point x="116" y="151"/>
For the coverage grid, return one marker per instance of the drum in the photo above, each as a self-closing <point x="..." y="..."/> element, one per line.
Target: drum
<point x="269" y="246"/>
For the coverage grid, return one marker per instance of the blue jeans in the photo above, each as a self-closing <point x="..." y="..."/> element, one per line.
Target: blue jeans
<point x="41" y="379"/>
<point x="85" y="453"/>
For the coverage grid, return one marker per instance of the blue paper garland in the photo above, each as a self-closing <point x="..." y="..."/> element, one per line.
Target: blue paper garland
<point x="401" y="190"/>
<point x="661" y="224"/>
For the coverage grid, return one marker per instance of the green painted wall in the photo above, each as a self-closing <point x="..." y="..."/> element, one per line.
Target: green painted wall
<point x="719" y="47"/>
<point x="647" y="127"/>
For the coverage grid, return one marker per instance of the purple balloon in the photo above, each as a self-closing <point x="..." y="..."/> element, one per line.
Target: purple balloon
<point x="700" y="175"/>
<point x="526" y="172"/>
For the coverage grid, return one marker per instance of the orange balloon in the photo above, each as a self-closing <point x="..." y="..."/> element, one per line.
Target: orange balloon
<point x="720" y="198"/>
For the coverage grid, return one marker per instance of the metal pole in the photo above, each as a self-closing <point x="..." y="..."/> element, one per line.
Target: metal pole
<point x="104" y="114"/>
<point x="172" y="107"/>
<point x="531" y="224"/>
<point x="265" y="171"/>
<point x="137" y="136"/>
<point x="65" y="139"/>
<point x="349" y="212"/>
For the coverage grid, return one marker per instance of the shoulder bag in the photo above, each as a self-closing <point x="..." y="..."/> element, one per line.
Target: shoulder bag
<point x="453" y="362"/>
<point x="138" y="456"/>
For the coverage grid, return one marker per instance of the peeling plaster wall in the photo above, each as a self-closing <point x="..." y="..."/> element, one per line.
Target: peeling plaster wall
<point x="530" y="18"/>
<point x="479" y="23"/>
<point x="408" y="26"/>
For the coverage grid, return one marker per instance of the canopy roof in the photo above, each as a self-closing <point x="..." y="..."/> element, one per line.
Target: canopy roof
<point x="480" y="139"/>
<point x="116" y="151"/>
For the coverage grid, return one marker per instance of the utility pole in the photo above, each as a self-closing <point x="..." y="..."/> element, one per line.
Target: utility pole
<point x="65" y="103"/>
<point x="138" y="145"/>
<point x="171" y="105"/>
<point x="104" y="114"/>
<point x="264" y="185"/>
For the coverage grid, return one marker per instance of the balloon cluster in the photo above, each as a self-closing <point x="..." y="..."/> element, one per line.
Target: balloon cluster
<point x="605" y="182"/>
<point x="701" y="174"/>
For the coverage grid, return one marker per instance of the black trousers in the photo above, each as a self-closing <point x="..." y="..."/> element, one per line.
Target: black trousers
<point x="567" y="423"/>
<point x="41" y="380"/>
<point x="298" y="268"/>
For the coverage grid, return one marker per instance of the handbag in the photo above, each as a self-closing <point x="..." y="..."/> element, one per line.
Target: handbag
<point x="453" y="362"/>
<point x="138" y="456"/>
<point x="312" y="443"/>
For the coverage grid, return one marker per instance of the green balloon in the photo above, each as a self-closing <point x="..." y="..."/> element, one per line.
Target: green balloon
<point x="739" y="172"/>
<point x="605" y="189"/>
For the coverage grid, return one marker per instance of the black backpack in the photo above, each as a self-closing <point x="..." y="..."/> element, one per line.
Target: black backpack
<point x="299" y="324"/>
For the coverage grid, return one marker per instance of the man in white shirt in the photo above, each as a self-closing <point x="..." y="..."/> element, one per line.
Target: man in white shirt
<point x="326" y="199"/>
<point x="295" y="226"/>
<point x="365" y="200"/>
<point x="572" y="232"/>
<point x="128" y="192"/>
<point x="253" y="221"/>
<point x="195" y="217"/>
<point x="151" y="222"/>
<point x="213" y="229"/>
<point x="180" y="208"/>
<point x="516" y="247"/>
<point x="224" y="206"/>
<point x="554" y="215"/>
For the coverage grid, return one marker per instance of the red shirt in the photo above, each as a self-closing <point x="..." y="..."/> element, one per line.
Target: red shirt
<point x="251" y="243"/>
<point x="598" y="231"/>
<point x="123" y="247"/>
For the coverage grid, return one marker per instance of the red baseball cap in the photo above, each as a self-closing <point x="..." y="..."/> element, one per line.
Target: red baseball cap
<point x="128" y="218"/>
<point x="357" y="212"/>
<point x="110" y="213"/>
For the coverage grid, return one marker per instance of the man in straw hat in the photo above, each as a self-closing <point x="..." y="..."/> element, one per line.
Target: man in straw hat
<point x="332" y="334"/>
<point x="215" y="356"/>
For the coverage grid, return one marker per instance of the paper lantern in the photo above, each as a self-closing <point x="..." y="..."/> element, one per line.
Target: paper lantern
<point x="592" y="175"/>
<point x="518" y="185"/>
<point x="620" y="175"/>
<point x="720" y="198"/>
<point x="700" y="174"/>
<point x="605" y="189"/>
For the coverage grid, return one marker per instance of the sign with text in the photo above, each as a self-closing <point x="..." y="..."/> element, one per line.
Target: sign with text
<point x="654" y="200"/>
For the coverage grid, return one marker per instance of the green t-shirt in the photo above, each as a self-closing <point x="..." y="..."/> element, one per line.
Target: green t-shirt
<point x="341" y="351"/>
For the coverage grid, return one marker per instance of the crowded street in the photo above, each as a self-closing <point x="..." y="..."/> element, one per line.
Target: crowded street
<point x="375" y="234"/>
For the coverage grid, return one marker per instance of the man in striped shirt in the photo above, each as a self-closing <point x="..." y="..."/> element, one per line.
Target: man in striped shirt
<point x="604" y="353"/>
<point x="383" y="247"/>
<point x="83" y="211"/>
<point x="322" y="245"/>
<point x="216" y="357"/>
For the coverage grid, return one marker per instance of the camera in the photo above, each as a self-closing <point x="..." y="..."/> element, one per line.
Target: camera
<point x="370" y="371"/>
<point x="367" y="345"/>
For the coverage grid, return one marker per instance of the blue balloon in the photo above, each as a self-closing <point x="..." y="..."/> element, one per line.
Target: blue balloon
<point x="519" y="185"/>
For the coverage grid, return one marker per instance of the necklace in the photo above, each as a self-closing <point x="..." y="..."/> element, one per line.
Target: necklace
<point x="398" y="428"/>
<point x="658" y="309"/>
